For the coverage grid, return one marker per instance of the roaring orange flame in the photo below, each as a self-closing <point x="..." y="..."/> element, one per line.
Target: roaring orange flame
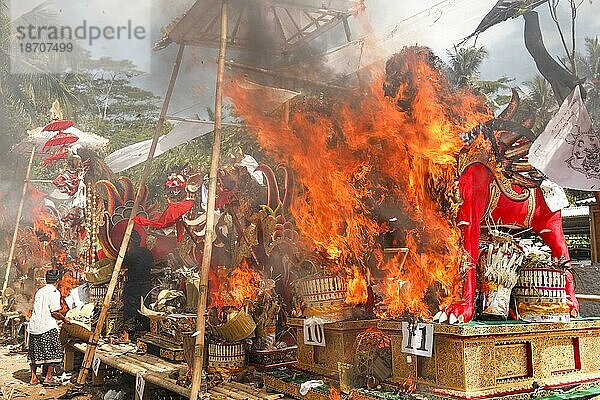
<point x="233" y="289"/>
<point x="67" y="283"/>
<point x="369" y="165"/>
<point x="334" y="393"/>
<point x="356" y="292"/>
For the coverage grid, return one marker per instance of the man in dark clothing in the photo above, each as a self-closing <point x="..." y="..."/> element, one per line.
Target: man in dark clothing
<point x="138" y="261"/>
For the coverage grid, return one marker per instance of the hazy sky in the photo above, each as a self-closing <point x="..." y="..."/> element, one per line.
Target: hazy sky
<point x="413" y="22"/>
<point x="396" y="23"/>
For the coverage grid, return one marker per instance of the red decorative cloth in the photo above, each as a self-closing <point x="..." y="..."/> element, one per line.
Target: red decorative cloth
<point x="171" y="216"/>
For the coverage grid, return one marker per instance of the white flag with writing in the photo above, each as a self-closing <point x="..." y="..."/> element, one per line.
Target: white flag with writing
<point x="568" y="151"/>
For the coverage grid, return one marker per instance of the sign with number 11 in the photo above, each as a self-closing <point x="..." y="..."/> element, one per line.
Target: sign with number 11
<point x="417" y="339"/>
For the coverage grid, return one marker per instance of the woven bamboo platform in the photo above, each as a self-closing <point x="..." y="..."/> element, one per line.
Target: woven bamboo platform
<point x="156" y="370"/>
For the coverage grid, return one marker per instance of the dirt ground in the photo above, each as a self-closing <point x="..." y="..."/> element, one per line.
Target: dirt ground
<point x="14" y="379"/>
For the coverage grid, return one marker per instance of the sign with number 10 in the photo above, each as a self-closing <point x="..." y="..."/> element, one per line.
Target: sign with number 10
<point x="314" y="334"/>
<point x="417" y="339"/>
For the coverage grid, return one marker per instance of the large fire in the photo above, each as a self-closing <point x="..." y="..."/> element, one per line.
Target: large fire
<point x="233" y="289"/>
<point x="370" y="165"/>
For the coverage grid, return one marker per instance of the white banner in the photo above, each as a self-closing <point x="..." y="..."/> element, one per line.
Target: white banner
<point x="568" y="151"/>
<point x="137" y="153"/>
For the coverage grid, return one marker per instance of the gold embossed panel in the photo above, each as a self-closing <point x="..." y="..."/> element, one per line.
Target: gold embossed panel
<point x="426" y="369"/>
<point x="513" y="360"/>
<point x="560" y="355"/>
<point x="480" y="371"/>
<point x="589" y="348"/>
<point x="401" y="368"/>
<point x="305" y="352"/>
<point x="450" y="363"/>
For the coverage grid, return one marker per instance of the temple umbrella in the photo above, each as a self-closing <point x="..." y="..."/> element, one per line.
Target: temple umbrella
<point x="40" y="137"/>
<point x="60" y="139"/>
<point x="59" y="154"/>
<point x="58" y="125"/>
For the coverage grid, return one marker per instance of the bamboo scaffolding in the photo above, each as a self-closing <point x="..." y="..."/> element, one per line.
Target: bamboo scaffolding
<point x="93" y="343"/>
<point x="13" y="244"/>
<point x="233" y="64"/>
<point x="198" y="364"/>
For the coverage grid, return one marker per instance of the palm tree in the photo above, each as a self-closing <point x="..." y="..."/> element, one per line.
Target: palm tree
<point x="464" y="64"/>
<point x="588" y="66"/>
<point x="540" y="99"/>
<point x="25" y="98"/>
<point x="463" y="71"/>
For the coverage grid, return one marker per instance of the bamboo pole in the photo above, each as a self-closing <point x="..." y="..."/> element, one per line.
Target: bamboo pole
<point x="93" y="342"/>
<point x="198" y="364"/>
<point x="13" y="244"/>
<point x="588" y="297"/>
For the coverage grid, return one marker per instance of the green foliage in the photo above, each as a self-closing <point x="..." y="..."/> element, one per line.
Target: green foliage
<point x="464" y="63"/>
<point x="588" y="67"/>
<point x="463" y="71"/>
<point x="25" y="97"/>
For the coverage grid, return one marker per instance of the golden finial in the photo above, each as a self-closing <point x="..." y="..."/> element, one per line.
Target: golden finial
<point x="56" y="111"/>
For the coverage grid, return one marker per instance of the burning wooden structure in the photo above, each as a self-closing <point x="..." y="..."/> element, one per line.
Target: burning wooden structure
<point x="361" y="174"/>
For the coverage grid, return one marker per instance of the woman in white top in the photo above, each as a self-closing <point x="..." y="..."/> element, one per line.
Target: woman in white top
<point x="45" y="348"/>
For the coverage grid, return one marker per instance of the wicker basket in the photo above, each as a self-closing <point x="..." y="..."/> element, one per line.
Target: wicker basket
<point x="541" y="296"/>
<point x="78" y="330"/>
<point x="81" y="320"/>
<point x="322" y="291"/>
<point x="101" y="272"/>
<point x="239" y="326"/>
<point x="226" y="357"/>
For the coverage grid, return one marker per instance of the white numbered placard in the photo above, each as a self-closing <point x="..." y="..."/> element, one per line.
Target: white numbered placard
<point x="96" y="364"/>
<point x="314" y="334"/>
<point x="140" y="383"/>
<point x="417" y="339"/>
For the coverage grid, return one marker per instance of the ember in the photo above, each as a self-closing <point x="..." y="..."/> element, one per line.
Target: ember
<point x="370" y="165"/>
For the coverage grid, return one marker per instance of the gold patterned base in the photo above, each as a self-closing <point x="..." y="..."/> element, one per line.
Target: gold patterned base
<point x="292" y="389"/>
<point x="339" y="340"/>
<point x="158" y="346"/>
<point x="498" y="360"/>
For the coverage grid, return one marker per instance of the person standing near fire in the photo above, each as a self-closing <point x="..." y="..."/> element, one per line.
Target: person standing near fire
<point x="45" y="349"/>
<point x="138" y="261"/>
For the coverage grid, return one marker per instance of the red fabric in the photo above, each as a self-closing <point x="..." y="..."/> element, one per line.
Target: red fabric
<point x="169" y="217"/>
